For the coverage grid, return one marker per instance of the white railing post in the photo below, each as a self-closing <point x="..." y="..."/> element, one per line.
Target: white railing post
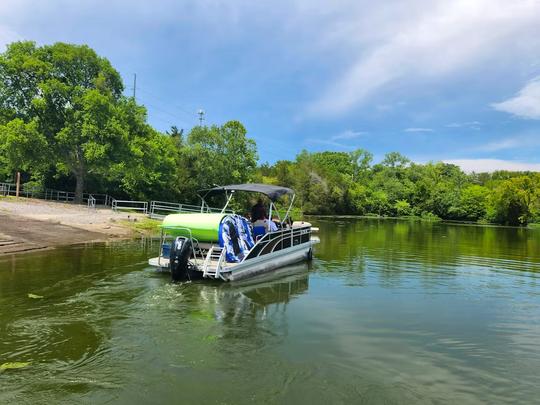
<point x="91" y="202"/>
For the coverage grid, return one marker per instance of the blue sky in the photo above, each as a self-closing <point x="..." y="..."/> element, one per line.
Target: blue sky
<point x="457" y="81"/>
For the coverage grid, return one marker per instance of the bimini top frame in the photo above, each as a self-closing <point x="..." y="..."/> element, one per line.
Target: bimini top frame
<point x="272" y="192"/>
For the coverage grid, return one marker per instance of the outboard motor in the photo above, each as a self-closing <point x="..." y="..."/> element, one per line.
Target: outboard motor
<point x="181" y="249"/>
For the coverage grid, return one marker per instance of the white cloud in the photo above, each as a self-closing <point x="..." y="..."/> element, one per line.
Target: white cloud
<point x="348" y="134"/>
<point x="418" y="130"/>
<point x="381" y="44"/>
<point x="526" y="104"/>
<point x="430" y="41"/>
<point x="468" y="124"/>
<point x="501" y="144"/>
<point x="339" y="140"/>
<point x="327" y="142"/>
<point x="491" y="165"/>
<point x="513" y="142"/>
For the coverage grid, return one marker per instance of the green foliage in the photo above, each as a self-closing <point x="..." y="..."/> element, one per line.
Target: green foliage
<point x="347" y="183"/>
<point x="144" y="226"/>
<point x="215" y="155"/>
<point x="471" y="204"/>
<point x="57" y="101"/>
<point x="62" y="115"/>
<point x="429" y="216"/>
<point x="402" y="207"/>
<point x="515" y="201"/>
<point x="22" y="146"/>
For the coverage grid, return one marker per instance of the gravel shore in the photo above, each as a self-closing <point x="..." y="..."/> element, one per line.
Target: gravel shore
<point x="28" y="224"/>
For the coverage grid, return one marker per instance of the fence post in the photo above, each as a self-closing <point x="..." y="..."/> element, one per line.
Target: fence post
<point x="18" y="184"/>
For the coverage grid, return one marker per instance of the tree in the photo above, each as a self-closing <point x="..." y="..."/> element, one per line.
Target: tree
<point x="145" y="161"/>
<point x="216" y="155"/>
<point x="395" y="160"/>
<point x="361" y="163"/>
<point x="402" y="208"/>
<point x="176" y="134"/>
<point x="22" y="147"/>
<point x="379" y="202"/>
<point x="471" y="205"/>
<point x="514" y="201"/>
<point x="70" y="94"/>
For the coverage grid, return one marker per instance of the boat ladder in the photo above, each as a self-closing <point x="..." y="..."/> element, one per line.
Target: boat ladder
<point x="213" y="262"/>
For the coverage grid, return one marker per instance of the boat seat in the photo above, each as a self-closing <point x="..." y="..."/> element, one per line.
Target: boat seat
<point x="258" y="232"/>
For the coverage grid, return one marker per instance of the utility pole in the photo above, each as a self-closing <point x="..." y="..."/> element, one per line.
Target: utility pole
<point x="201" y="117"/>
<point x="134" y="85"/>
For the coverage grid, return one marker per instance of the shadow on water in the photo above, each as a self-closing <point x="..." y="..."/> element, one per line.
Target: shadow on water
<point x="388" y="312"/>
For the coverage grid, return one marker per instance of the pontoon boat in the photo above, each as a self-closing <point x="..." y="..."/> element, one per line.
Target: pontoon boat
<point x="227" y="246"/>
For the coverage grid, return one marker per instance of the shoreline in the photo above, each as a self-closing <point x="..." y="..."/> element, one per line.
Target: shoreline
<point x="530" y="226"/>
<point x="28" y="225"/>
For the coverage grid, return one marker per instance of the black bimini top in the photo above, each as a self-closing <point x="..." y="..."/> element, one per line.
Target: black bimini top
<point x="273" y="192"/>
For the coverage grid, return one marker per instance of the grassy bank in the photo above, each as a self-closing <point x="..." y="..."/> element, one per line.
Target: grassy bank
<point x="145" y="226"/>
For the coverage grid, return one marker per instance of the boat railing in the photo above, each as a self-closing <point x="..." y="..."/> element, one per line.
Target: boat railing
<point x="198" y="256"/>
<point x="294" y="234"/>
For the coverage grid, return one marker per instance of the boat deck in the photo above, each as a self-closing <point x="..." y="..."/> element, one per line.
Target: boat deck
<point x="163" y="263"/>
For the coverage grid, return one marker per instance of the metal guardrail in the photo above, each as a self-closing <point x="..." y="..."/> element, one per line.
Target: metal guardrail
<point x="128" y="205"/>
<point x="91" y="202"/>
<point x="159" y="209"/>
<point x="154" y="209"/>
<point x="5" y="188"/>
<point x="9" y="189"/>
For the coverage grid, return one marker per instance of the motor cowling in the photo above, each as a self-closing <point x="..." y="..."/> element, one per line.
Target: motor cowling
<point x="181" y="249"/>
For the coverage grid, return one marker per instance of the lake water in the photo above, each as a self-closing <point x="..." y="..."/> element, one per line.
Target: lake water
<point x="387" y="312"/>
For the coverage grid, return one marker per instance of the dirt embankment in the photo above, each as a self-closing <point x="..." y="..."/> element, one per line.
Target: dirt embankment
<point x="27" y="225"/>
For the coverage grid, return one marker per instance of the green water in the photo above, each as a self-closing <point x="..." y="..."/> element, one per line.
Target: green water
<point x="388" y="312"/>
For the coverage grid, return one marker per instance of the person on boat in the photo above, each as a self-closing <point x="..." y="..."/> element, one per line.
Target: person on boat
<point x="259" y="218"/>
<point x="266" y="224"/>
<point x="258" y="211"/>
<point x="271" y="225"/>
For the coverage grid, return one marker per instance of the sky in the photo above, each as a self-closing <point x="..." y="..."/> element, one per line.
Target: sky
<point x="457" y="81"/>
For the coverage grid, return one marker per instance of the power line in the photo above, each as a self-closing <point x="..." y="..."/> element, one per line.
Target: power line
<point x="167" y="121"/>
<point x="162" y="101"/>
<point x="192" y="115"/>
<point x="180" y="120"/>
<point x="158" y="98"/>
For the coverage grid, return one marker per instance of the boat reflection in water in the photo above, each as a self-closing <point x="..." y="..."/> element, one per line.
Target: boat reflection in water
<point x="243" y="304"/>
<point x="279" y="287"/>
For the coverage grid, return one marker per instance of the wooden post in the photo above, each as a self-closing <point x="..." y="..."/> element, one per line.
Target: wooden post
<point x="18" y="187"/>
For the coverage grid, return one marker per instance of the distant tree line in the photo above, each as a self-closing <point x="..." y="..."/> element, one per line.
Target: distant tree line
<point x="65" y="124"/>
<point x="349" y="183"/>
